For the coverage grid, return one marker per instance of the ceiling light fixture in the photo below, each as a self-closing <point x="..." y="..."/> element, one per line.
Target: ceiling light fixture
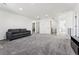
<point x="37" y="17"/>
<point x="20" y="9"/>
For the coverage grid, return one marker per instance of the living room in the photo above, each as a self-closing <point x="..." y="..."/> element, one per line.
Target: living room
<point x="33" y="28"/>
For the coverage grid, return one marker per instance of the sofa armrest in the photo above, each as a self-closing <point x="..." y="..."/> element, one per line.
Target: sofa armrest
<point x="8" y="35"/>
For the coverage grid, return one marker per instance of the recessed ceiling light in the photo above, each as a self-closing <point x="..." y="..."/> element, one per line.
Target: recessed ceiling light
<point x="37" y="17"/>
<point x="20" y="9"/>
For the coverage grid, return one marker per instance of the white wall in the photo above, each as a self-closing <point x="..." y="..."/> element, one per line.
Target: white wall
<point x="65" y="21"/>
<point x="76" y="21"/>
<point x="45" y="26"/>
<point x="9" y="20"/>
<point x="54" y="23"/>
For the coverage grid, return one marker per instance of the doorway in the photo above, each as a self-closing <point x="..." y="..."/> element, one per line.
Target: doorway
<point x="33" y="27"/>
<point x="37" y="27"/>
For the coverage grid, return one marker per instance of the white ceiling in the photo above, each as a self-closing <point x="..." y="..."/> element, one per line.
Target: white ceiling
<point x="33" y="10"/>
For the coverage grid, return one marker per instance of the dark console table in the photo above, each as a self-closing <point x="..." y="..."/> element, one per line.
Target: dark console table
<point x="75" y="44"/>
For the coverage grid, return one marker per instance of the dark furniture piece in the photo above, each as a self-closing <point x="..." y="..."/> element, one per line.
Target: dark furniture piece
<point x="75" y="44"/>
<point x="12" y="34"/>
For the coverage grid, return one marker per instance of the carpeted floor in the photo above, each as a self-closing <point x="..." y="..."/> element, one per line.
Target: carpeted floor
<point x="38" y="44"/>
